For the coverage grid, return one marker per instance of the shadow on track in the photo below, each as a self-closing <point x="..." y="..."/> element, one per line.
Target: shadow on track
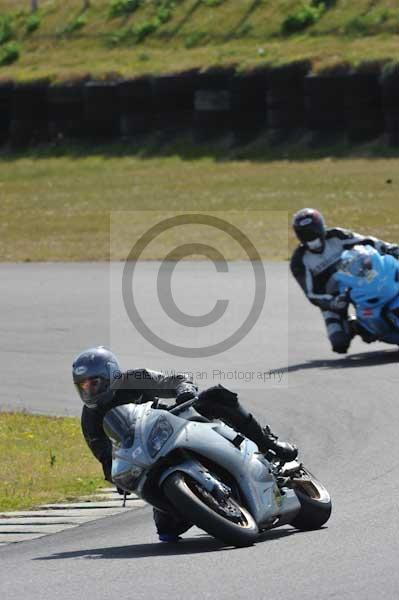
<point x="200" y="544"/>
<point x="362" y="359"/>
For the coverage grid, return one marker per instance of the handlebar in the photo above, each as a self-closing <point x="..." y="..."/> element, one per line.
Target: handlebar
<point x="178" y="408"/>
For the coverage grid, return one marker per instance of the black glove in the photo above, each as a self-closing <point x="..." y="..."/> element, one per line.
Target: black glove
<point x="339" y="303"/>
<point x="393" y="251"/>
<point x="185" y="396"/>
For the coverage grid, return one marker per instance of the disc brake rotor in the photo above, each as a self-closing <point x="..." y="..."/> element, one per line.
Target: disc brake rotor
<point x="225" y="507"/>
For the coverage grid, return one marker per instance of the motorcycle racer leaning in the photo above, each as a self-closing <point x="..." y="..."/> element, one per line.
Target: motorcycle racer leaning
<point x="102" y="386"/>
<point x="314" y="262"/>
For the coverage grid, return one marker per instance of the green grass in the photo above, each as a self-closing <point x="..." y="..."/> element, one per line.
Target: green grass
<point x="58" y="207"/>
<point x="112" y="36"/>
<point x="45" y="459"/>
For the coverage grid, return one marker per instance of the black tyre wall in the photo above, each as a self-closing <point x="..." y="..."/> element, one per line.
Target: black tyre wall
<point x="66" y="110"/>
<point x="173" y="101"/>
<point x="390" y="99"/>
<point x="286" y="96"/>
<point x="136" y="106"/>
<point x="29" y="114"/>
<point x="213" y="104"/>
<point x="101" y="110"/>
<point x="248" y="103"/>
<point x="363" y="104"/>
<point x="391" y="126"/>
<point x="325" y="103"/>
<point x="6" y="93"/>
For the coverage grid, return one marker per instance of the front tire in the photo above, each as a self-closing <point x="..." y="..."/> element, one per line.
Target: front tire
<point x="228" y="522"/>
<point x="315" y="503"/>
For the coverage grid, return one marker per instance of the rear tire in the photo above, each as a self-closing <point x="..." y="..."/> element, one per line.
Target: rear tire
<point x="188" y="497"/>
<point x="315" y="503"/>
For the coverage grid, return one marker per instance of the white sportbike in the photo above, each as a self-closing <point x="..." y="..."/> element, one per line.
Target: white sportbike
<point x="208" y="474"/>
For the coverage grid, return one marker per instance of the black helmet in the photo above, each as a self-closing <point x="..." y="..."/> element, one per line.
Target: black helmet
<point x="310" y="229"/>
<point x="93" y="372"/>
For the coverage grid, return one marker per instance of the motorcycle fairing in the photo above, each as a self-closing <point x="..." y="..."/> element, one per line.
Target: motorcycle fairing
<point x="372" y="280"/>
<point x="250" y="469"/>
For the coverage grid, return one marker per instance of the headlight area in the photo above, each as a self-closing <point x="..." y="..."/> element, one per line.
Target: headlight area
<point x="160" y="433"/>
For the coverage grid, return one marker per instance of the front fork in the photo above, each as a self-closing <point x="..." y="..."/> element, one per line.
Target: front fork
<point x="200" y="474"/>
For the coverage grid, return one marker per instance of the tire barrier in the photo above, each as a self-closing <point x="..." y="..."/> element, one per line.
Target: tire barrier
<point x="173" y="101"/>
<point x="101" y="110"/>
<point x="286" y="96"/>
<point x="325" y="103"/>
<point x="136" y="106"/>
<point x="29" y="114"/>
<point x="248" y="103"/>
<point x="66" y="111"/>
<point x="212" y="104"/>
<point x="6" y="93"/>
<point x="363" y="104"/>
<point x="390" y="101"/>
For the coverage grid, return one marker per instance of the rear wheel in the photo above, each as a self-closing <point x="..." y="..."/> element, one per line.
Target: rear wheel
<point x="315" y="502"/>
<point x="224" y="518"/>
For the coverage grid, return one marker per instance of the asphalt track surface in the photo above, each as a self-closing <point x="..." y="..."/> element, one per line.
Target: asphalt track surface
<point x="342" y="412"/>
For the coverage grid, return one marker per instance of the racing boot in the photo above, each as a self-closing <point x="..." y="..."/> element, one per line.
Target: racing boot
<point x="169" y="527"/>
<point x="357" y="329"/>
<point x="283" y="450"/>
<point x="266" y="440"/>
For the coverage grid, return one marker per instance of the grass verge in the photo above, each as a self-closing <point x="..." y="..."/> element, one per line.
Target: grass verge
<point x="56" y="203"/>
<point x="45" y="459"/>
<point x="128" y="37"/>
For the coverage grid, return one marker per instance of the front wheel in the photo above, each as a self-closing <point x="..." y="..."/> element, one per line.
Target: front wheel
<point x="224" y="519"/>
<point x="315" y="502"/>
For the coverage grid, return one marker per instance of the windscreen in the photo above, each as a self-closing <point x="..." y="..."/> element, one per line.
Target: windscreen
<point x="119" y="425"/>
<point x="357" y="264"/>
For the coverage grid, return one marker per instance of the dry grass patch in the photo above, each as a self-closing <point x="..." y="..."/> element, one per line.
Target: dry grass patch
<point x="58" y="208"/>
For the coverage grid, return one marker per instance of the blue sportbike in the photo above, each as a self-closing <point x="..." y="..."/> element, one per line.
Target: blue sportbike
<point x="371" y="282"/>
